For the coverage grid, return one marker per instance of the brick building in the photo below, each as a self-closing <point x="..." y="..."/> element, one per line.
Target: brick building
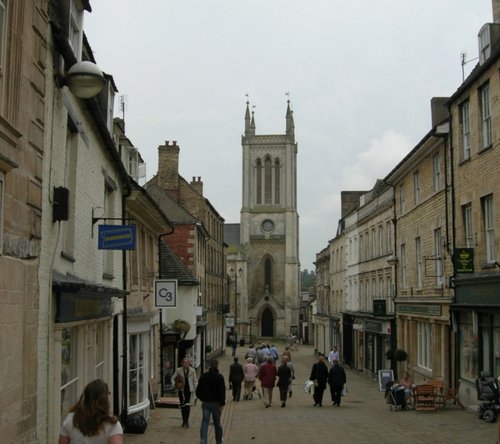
<point x="198" y="241"/>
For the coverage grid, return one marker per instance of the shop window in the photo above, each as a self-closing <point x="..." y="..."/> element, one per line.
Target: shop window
<point x="69" y="369"/>
<point x="424" y="345"/>
<point x="468" y="349"/>
<point x="137" y="372"/>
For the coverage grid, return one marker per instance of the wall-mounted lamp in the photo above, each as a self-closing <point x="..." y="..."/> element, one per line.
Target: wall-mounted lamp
<point x="393" y="260"/>
<point x="84" y="79"/>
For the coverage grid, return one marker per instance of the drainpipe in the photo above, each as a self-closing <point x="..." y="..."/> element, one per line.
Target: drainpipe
<point x="447" y="137"/>
<point x="453" y="376"/>
<point x="124" y="411"/>
<point x="162" y="376"/>
<point x="394" y="337"/>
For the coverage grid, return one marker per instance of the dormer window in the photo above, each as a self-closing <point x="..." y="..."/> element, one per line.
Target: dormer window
<point x="484" y="43"/>
<point x="75" y="30"/>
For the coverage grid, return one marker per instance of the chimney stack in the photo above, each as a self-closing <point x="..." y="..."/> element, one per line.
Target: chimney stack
<point x="197" y="184"/>
<point x="496" y="10"/>
<point x="168" y="168"/>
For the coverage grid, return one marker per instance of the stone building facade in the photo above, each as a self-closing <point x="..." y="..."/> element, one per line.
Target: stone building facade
<point x="269" y="233"/>
<point x="423" y="249"/>
<point x="23" y="121"/>
<point x="197" y="240"/>
<point x="475" y="138"/>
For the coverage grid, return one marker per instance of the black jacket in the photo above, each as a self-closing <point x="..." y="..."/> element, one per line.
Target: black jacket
<point x="319" y="373"/>
<point x="211" y="387"/>
<point x="284" y="375"/>
<point x="336" y="375"/>
<point x="236" y="372"/>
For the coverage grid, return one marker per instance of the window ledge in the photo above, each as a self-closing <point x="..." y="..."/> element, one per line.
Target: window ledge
<point x="108" y="276"/>
<point x="68" y="257"/>
<point x="484" y="149"/>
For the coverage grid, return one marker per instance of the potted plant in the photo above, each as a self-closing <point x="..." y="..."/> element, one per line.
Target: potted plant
<point x="181" y="325"/>
<point x="400" y="355"/>
<point x="208" y="349"/>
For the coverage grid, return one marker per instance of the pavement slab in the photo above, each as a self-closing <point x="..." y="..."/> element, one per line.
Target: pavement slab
<point x="363" y="417"/>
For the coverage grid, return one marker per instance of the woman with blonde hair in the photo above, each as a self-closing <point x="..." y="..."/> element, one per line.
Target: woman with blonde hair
<point x="89" y="420"/>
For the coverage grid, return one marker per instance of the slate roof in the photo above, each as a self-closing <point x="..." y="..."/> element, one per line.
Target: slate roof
<point x="171" y="267"/>
<point x="232" y="234"/>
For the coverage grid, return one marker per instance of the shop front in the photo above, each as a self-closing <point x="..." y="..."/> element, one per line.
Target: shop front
<point x="377" y="342"/>
<point x="476" y="314"/>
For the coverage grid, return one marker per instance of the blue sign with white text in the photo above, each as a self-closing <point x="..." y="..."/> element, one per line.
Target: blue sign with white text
<point x="116" y="237"/>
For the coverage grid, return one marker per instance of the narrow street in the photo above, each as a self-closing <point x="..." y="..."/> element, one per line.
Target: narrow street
<point x="364" y="417"/>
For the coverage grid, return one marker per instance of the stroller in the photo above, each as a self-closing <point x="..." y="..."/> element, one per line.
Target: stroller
<point x="396" y="397"/>
<point x="488" y="392"/>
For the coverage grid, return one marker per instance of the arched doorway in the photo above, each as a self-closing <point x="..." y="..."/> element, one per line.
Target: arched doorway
<point x="267" y="324"/>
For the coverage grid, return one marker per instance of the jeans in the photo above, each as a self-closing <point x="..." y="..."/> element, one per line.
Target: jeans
<point x="211" y="408"/>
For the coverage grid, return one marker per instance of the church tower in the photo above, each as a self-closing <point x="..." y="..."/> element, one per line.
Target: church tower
<point x="269" y="229"/>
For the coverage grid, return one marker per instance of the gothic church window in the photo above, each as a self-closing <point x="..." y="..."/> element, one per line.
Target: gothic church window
<point x="268" y="181"/>
<point x="258" y="181"/>
<point x="277" y="182"/>
<point x="268" y="272"/>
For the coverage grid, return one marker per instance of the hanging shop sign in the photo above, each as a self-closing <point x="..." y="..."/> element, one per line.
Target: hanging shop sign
<point x="116" y="237"/>
<point x="166" y="293"/>
<point x="464" y="260"/>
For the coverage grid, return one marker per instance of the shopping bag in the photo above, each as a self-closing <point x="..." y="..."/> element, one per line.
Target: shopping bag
<point x="308" y="386"/>
<point x="344" y="390"/>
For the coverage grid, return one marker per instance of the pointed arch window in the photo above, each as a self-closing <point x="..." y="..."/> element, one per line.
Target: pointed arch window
<point x="258" y="180"/>
<point x="268" y="272"/>
<point x="268" y="181"/>
<point x="277" y="182"/>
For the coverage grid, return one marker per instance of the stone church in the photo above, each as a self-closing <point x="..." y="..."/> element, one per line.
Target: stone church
<point x="263" y="250"/>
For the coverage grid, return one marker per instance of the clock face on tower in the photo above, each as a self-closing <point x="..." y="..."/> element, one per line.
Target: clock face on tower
<point x="268" y="225"/>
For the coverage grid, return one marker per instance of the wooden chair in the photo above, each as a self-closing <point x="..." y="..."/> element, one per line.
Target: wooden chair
<point x="424" y="397"/>
<point x="452" y="395"/>
<point x="438" y="385"/>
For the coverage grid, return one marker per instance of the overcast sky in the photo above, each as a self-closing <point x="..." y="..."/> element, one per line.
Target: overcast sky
<point x="360" y="76"/>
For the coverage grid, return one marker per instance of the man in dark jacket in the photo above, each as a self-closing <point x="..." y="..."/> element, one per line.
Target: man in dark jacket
<point x="319" y="374"/>
<point x="211" y="390"/>
<point x="236" y="376"/>
<point x="336" y="380"/>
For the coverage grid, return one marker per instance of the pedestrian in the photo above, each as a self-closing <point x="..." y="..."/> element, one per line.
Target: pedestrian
<point x="261" y="357"/>
<point x="250" y="371"/>
<point x="234" y="344"/>
<point x="267" y="376"/>
<point x="251" y="353"/>
<point x="211" y="391"/>
<point x="184" y="381"/>
<point x="284" y="380"/>
<point x="274" y="353"/>
<point x="336" y="380"/>
<point x="287" y="353"/>
<point x="236" y="377"/>
<point x="319" y="375"/>
<point x="289" y="363"/>
<point x="333" y="355"/>
<point x="89" y="419"/>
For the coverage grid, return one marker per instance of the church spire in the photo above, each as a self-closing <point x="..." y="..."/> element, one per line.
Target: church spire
<point x="247" y="119"/>
<point x="252" y="125"/>
<point x="290" y="127"/>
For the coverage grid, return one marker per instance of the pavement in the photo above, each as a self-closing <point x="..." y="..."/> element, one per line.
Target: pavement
<point x="364" y="417"/>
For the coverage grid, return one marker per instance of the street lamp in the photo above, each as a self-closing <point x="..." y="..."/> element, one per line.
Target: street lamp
<point x="236" y="275"/>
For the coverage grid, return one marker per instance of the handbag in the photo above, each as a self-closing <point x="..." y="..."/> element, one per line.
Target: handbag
<point x="179" y="383"/>
<point x="344" y="390"/>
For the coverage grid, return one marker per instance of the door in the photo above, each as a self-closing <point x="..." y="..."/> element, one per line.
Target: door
<point x="267" y="323"/>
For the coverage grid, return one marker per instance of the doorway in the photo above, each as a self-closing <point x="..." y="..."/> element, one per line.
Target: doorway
<point x="267" y="324"/>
